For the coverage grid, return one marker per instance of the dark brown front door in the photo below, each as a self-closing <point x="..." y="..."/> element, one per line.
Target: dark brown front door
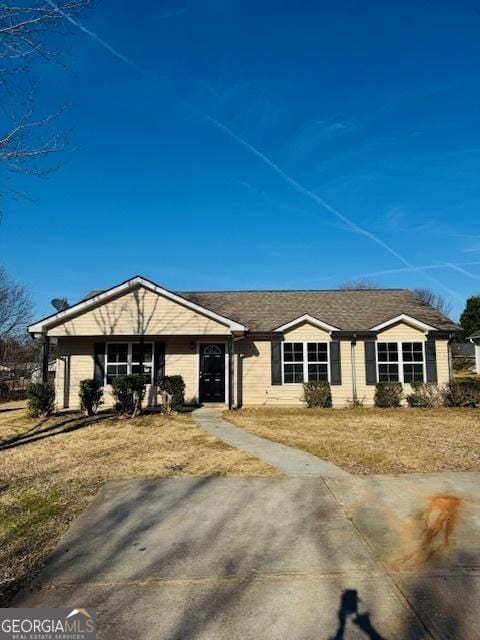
<point x="212" y="372"/>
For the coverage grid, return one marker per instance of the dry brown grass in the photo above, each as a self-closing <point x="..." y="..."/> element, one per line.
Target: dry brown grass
<point x="369" y="440"/>
<point x="47" y="478"/>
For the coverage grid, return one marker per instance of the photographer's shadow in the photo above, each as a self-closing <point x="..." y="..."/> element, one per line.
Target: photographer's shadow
<point x="349" y="611"/>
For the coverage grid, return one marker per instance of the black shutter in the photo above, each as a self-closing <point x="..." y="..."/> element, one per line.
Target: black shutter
<point x="370" y="363"/>
<point x="99" y="362"/>
<point x="431" y="360"/>
<point x="276" y="362"/>
<point x="335" y="364"/>
<point x="159" y="361"/>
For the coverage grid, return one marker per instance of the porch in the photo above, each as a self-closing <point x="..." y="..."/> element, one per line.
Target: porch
<point x="205" y="363"/>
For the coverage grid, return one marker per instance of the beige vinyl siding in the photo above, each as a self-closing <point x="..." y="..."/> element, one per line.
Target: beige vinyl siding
<point x="399" y="333"/>
<point x="365" y="393"/>
<point x="180" y="359"/>
<point x="306" y="332"/>
<point x="79" y="352"/>
<point x="140" y="312"/>
<point x="256" y="366"/>
<point x="443" y="361"/>
<point x="257" y="376"/>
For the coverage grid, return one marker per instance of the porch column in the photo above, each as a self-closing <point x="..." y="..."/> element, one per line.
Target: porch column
<point x="45" y="357"/>
<point x="230" y="371"/>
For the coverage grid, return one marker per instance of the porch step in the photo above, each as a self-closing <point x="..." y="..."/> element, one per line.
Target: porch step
<point x="215" y="405"/>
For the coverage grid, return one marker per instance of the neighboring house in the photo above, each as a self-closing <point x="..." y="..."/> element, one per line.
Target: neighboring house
<point x="476" y="341"/>
<point x="248" y="347"/>
<point x="463" y="356"/>
<point x="5" y="372"/>
<point x="37" y="371"/>
<point x="463" y="350"/>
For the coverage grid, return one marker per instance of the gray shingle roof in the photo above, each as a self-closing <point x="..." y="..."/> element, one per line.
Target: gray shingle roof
<point x="357" y="310"/>
<point x="349" y="310"/>
<point x="90" y="294"/>
<point x="463" y="349"/>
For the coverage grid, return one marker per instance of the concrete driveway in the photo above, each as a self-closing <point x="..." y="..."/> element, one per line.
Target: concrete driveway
<point x="269" y="558"/>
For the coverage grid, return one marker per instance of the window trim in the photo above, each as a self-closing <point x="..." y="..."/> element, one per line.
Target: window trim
<point x="401" y="362"/>
<point x="129" y="359"/>
<point x="305" y="362"/>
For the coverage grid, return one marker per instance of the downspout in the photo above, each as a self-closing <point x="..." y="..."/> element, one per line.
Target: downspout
<point x="451" y="337"/>
<point x="231" y="370"/>
<point x="353" y="344"/>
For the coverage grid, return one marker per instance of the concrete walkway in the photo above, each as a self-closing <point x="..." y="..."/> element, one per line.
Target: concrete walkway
<point x="292" y="462"/>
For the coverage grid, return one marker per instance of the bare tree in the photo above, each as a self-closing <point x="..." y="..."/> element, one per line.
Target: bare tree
<point x="360" y="283"/>
<point x="30" y="33"/>
<point x="15" y="306"/>
<point x="435" y="300"/>
<point x="20" y="355"/>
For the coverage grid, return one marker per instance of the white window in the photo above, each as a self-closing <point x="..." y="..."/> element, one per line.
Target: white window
<point x="401" y="362"/>
<point x="413" y="361"/>
<point x="388" y="362"/>
<point x="304" y="361"/>
<point x="123" y="358"/>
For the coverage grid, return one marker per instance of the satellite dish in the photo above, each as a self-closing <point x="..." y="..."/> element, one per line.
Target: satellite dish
<point x="60" y="304"/>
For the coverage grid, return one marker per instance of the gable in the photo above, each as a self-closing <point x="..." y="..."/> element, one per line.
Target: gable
<point x="140" y="311"/>
<point x="401" y="331"/>
<point x="306" y="331"/>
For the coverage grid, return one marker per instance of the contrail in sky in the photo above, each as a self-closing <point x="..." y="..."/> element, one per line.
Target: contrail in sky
<point x="426" y="267"/>
<point x="323" y="204"/>
<point x="353" y="226"/>
<point x="458" y="267"/>
<point x="306" y="192"/>
<point x="97" y="38"/>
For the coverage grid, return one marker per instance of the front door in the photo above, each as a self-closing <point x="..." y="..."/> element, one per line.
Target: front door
<point x="212" y="373"/>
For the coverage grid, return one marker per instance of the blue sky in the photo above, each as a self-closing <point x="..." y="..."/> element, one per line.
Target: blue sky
<point x="280" y="144"/>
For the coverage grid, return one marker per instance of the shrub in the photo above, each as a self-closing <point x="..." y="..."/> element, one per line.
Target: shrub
<point x="317" y="394"/>
<point x="174" y="386"/>
<point x="425" y="395"/>
<point x="4" y="391"/>
<point x="129" y="392"/>
<point x="388" y="394"/>
<point x="462" y="393"/>
<point x="18" y="394"/>
<point x="41" y="398"/>
<point x="463" y="364"/>
<point x="91" y="396"/>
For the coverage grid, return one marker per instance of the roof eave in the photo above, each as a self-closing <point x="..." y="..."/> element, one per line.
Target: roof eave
<point x="407" y="319"/>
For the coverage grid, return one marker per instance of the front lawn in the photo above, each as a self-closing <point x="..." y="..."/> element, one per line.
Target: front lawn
<point x="368" y="440"/>
<point x="50" y="469"/>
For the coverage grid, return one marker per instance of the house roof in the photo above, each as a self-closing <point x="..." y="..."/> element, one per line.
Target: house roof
<point x="463" y="349"/>
<point x="265" y="311"/>
<point x="347" y="310"/>
<point x="476" y="335"/>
